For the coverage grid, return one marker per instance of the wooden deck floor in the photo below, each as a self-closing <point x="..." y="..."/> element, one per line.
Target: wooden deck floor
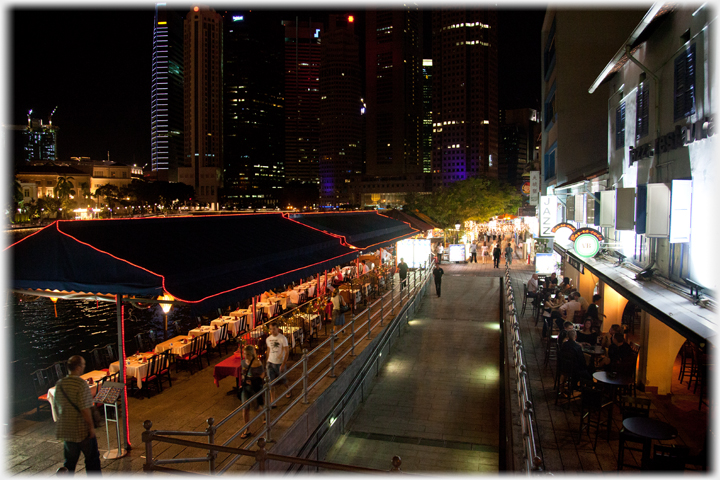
<point x="31" y="447"/>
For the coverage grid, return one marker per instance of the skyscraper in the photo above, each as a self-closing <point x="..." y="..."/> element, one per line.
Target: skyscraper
<point x="253" y="109"/>
<point x="203" y="105"/>
<point x="394" y="91"/>
<point x="302" y="99"/>
<point x="464" y="105"/>
<point x="340" y="103"/>
<point x="427" y="129"/>
<point x="167" y="110"/>
<point x="39" y="140"/>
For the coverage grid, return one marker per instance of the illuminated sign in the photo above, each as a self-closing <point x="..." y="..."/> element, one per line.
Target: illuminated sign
<point x="563" y="225"/>
<point x="680" y="209"/>
<point x="548" y="214"/>
<point x="415" y="251"/>
<point x="534" y="187"/>
<point x="682" y="136"/>
<point x="586" y="241"/>
<point x="237" y="18"/>
<point x="317" y="33"/>
<point x="526" y="188"/>
<point x="456" y="252"/>
<point x="544" y="263"/>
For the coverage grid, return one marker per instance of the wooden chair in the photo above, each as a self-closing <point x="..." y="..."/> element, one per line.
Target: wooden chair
<point x="687" y="360"/>
<point x="140" y="343"/>
<point x="550" y="342"/>
<point x="224" y="341"/>
<point x="565" y="379"/>
<point x="111" y="354"/>
<point x="151" y="377"/>
<point x="43" y="379"/>
<point x="204" y="347"/>
<point x="164" y="367"/>
<point x="669" y="457"/>
<point x="60" y="370"/>
<point x="593" y="403"/>
<point x="578" y="316"/>
<point x="152" y="339"/>
<point x="191" y="358"/>
<point x="97" y="359"/>
<point x="632" y="407"/>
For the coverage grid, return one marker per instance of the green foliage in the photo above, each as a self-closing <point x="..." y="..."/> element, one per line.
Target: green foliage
<point x="477" y="199"/>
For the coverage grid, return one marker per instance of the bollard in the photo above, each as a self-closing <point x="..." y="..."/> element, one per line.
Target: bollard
<point x="147" y="438"/>
<point x="305" y="375"/>
<point x="396" y="462"/>
<point x="332" y="356"/>
<point x="212" y="454"/>
<point x="261" y="454"/>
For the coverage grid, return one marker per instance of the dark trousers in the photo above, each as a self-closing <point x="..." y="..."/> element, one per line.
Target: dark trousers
<point x="474" y="257"/>
<point x="438" y="284"/>
<point x="89" y="448"/>
<point x="402" y="281"/>
<point x="496" y="262"/>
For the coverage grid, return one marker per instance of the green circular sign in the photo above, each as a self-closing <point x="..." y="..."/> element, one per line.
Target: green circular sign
<point x="587" y="245"/>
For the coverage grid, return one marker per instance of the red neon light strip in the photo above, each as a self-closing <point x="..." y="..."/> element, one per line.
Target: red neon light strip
<point x="32" y="234"/>
<point x="125" y="406"/>
<point x="209" y="296"/>
<point x="343" y="241"/>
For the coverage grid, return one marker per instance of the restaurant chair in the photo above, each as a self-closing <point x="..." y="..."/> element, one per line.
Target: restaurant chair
<point x="60" y="370"/>
<point x="550" y="341"/>
<point x="42" y="381"/>
<point x="152" y="340"/>
<point x="164" y="367"/>
<point x="140" y="344"/>
<point x="565" y="379"/>
<point x="687" y="360"/>
<point x="189" y="359"/>
<point x="97" y="358"/>
<point x="669" y="457"/>
<point x="224" y="341"/>
<point x="152" y="380"/>
<point x="176" y="324"/>
<point x="632" y="407"/>
<point x="111" y="353"/>
<point x="578" y="316"/>
<point x="204" y="348"/>
<point x="525" y="299"/>
<point x="593" y="404"/>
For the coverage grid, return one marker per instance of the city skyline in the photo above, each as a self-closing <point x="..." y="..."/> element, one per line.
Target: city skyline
<point x="103" y="87"/>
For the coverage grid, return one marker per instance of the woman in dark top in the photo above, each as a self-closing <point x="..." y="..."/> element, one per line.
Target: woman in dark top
<point x="253" y="374"/>
<point x="587" y="334"/>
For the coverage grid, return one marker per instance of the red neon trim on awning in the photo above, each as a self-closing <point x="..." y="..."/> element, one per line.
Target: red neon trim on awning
<point x="25" y="238"/>
<point x="209" y="296"/>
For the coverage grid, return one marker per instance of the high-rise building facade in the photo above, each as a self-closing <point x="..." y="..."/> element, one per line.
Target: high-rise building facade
<point x="427" y="129"/>
<point x="39" y="140"/>
<point x="340" y="104"/>
<point x="167" y="103"/>
<point x="253" y="110"/>
<point x="203" y="89"/>
<point x="519" y="129"/>
<point x="394" y="91"/>
<point x="302" y="99"/>
<point x="465" y="85"/>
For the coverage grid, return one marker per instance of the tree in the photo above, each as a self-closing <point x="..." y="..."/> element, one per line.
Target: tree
<point x="17" y="198"/>
<point x="110" y="192"/>
<point x="64" y="191"/>
<point x="477" y="199"/>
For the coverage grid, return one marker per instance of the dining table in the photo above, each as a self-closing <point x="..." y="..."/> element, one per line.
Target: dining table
<point x="213" y="331"/>
<point x="650" y="429"/>
<point x="235" y="324"/>
<point x="230" y="367"/>
<point x="94" y="376"/>
<point x="135" y="366"/>
<point x="175" y="345"/>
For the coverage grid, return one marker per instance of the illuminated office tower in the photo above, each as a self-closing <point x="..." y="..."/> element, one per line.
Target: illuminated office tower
<point x="427" y="115"/>
<point x="203" y="86"/>
<point x="39" y="140"/>
<point x="340" y="103"/>
<point x="167" y="115"/>
<point x="253" y="110"/>
<point x="464" y="99"/>
<point x="394" y="91"/>
<point x="302" y="99"/>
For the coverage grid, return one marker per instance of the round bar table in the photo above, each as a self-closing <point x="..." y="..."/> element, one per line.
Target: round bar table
<point x="649" y="428"/>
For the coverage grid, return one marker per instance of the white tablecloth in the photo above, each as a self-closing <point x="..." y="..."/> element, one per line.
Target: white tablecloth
<point x="96" y="375"/>
<point x="294" y="296"/>
<point x="214" y="334"/>
<point x="293" y="334"/>
<point x="234" y="325"/>
<point x="134" y="369"/>
<point x="175" y="345"/>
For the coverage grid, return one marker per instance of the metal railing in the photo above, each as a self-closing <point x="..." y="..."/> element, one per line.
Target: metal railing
<point x="531" y="443"/>
<point x="387" y="303"/>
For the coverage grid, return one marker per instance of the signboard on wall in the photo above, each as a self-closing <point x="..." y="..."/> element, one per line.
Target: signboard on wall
<point x="415" y="251"/>
<point x="576" y="264"/>
<point x="548" y="214"/>
<point x="586" y="241"/>
<point x="680" y="208"/>
<point x="534" y="187"/>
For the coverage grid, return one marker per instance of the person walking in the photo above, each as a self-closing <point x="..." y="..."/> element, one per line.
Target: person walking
<point x="473" y="252"/>
<point x="75" y="426"/>
<point x="402" y="271"/>
<point x="337" y="314"/>
<point x="484" y="252"/>
<point x="496" y="256"/>
<point x="438" y="273"/>
<point x="252" y="383"/>
<point x="508" y="254"/>
<point x="277" y="357"/>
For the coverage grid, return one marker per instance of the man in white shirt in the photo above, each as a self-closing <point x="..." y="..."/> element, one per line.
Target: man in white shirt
<point x="583" y="303"/>
<point x="473" y="252"/>
<point x="278" y="352"/>
<point x="365" y="268"/>
<point x="567" y="310"/>
<point x="532" y="285"/>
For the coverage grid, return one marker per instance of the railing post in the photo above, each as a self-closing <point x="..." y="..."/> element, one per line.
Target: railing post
<point x="261" y="455"/>
<point x="392" y="298"/>
<point x="211" y="440"/>
<point x="352" y="337"/>
<point x="381" y="311"/>
<point x="147" y="437"/>
<point x="369" y="325"/>
<point x="396" y="462"/>
<point x="332" y="356"/>
<point x="305" y="376"/>
<point x="267" y="410"/>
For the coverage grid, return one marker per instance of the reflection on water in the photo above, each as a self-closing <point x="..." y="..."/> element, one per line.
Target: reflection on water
<point x="39" y="339"/>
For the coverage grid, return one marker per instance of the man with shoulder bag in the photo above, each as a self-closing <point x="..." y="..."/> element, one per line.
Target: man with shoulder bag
<point x="75" y="423"/>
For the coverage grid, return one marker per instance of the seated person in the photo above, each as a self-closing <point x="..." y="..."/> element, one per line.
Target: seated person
<point x="572" y="350"/>
<point x="619" y="355"/>
<point x="566" y="311"/>
<point x="606" y="338"/>
<point x="533" y="287"/>
<point x="551" y="281"/>
<point x="587" y="334"/>
<point x="338" y="280"/>
<point x="583" y="303"/>
<point x="292" y="298"/>
<point x="565" y="287"/>
<point x="562" y="336"/>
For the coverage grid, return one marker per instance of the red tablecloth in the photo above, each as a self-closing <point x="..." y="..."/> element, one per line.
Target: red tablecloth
<point x="230" y="367"/>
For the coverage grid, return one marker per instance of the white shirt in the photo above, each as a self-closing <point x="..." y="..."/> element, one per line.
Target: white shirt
<point x="570" y="308"/>
<point x="473" y="248"/>
<point x="532" y="285"/>
<point x="275" y="345"/>
<point x="366" y="269"/>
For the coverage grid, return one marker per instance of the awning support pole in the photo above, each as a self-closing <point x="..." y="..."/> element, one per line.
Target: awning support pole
<point x="121" y="361"/>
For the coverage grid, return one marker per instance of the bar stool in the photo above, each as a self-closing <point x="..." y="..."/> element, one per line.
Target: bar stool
<point x="631" y="407"/>
<point x="551" y="342"/>
<point x="687" y="361"/>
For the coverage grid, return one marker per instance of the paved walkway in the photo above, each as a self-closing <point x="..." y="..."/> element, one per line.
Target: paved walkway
<point x="437" y="399"/>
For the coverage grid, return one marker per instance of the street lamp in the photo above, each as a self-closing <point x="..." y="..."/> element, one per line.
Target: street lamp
<point x="166" y="309"/>
<point x="457" y="231"/>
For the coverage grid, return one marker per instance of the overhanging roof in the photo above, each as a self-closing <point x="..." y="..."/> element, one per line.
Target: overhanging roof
<point x="363" y="230"/>
<point x="413" y="221"/>
<point x="208" y="260"/>
<point x="677" y="312"/>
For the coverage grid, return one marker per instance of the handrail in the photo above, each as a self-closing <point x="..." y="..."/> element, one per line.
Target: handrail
<point x="407" y="294"/>
<point x="531" y="443"/>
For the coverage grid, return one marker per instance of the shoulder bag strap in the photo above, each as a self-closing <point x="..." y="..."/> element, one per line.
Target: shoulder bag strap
<point x="68" y="398"/>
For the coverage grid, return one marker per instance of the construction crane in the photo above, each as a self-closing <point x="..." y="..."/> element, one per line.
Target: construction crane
<point x="51" y="114"/>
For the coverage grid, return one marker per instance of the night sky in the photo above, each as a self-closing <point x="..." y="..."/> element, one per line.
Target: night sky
<point x="96" y="67"/>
